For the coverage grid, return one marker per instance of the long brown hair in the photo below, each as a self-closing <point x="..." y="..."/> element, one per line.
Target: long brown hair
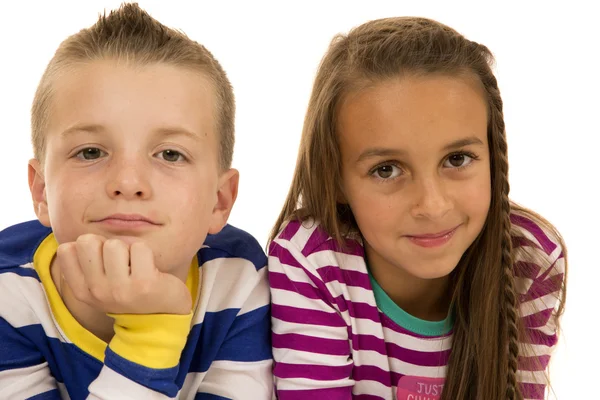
<point x="487" y="331"/>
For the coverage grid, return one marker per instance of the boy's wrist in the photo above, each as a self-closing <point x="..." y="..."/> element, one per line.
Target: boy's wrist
<point x="152" y="340"/>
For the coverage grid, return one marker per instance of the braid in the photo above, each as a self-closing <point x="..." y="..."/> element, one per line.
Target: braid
<point x="510" y="319"/>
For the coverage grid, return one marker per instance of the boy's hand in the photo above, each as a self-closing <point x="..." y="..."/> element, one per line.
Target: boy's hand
<point x="116" y="278"/>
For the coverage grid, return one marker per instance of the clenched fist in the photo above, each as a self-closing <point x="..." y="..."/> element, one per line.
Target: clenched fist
<point x="118" y="278"/>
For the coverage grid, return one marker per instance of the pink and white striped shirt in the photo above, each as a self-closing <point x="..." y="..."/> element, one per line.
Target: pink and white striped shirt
<point x="337" y="335"/>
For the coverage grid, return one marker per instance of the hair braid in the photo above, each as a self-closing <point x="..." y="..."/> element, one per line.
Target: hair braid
<point x="510" y="318"/>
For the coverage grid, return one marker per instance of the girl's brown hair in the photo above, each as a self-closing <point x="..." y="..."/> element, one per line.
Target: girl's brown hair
<point x="487" y="331"/>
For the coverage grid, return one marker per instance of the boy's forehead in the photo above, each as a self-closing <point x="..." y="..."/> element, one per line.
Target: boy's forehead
<point x="155" y="80"/>
<point x="163" y="99"/>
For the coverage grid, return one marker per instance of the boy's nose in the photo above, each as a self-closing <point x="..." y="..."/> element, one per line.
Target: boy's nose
<point x="129" y="181"/>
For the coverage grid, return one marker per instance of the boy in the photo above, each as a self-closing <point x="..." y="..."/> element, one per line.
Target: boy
<point x="132" y="285"/>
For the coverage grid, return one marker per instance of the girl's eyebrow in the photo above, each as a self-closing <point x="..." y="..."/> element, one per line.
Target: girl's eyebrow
<point x="464" y="142"/>
<point x="379" y="152"/>
<point x="389" y="152"/>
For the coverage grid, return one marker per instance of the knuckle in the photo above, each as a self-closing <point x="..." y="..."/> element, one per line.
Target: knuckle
<point x="65" y="249"/>
<point x="121" y="295"/>
<point x="89" y="239"/>
<point x="85" y="238"/>
<point x="113" y="243"/>
<point x="81" y="294"/>
<point x="137" y="245"/>
<point x="98" y="292"/>
<point x="145" y="286"/>
<point x="138" y="248"/>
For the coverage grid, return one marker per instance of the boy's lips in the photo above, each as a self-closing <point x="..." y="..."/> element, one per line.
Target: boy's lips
<point x="127" y="221"/>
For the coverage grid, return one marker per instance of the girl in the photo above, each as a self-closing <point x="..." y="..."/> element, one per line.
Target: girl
<point x="399" y="267"/>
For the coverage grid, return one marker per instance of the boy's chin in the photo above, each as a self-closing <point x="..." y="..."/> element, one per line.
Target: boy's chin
<point x="129" y="240"/>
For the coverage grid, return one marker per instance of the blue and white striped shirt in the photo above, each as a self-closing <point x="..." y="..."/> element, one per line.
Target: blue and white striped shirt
<point x="46" y="354"/>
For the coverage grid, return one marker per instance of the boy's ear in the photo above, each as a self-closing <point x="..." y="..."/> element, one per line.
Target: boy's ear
<point x="226" y="195"/>
<point x="37" y="186"/>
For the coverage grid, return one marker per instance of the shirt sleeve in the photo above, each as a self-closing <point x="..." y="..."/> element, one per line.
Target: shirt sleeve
<point x="242" y="368"/>
<point x="142" y="359"/>
<point x="540" y="271"/>
<point x="311" y="349"/>
<point x="23" y="371"/>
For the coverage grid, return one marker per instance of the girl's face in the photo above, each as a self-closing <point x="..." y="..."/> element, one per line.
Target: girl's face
<point x="416" y="171"/>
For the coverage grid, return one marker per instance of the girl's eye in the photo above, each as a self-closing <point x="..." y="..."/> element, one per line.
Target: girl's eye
<point x="458" y="160"/>
<point x="171" y="156"/>
<point x="90" y="153"/>
<point x="387" y="171"/>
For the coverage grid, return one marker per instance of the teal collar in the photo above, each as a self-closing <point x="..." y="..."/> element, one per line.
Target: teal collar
<point x="407" y="321"/>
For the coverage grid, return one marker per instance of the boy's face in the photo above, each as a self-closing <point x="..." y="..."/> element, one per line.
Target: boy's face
<point x="132" y="153"/>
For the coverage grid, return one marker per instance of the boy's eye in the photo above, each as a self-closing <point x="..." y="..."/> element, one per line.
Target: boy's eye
<point x="458" y="160"/>
<point x="386" y="171"/>
<point x="90" y="153"/>
<point x="171" y="155"/>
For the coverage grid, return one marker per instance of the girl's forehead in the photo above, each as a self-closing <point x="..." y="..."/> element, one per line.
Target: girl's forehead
<point x="419" y="112"/>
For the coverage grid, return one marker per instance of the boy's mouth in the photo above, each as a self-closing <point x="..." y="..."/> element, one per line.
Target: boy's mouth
<point x="127" y="221"/>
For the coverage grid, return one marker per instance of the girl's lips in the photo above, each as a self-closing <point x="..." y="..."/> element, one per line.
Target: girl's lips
<point x="434" y="235"/>
<point x="433" y="240"/>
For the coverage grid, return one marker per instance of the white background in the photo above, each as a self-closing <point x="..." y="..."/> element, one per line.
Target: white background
<point x="547" y="66"/>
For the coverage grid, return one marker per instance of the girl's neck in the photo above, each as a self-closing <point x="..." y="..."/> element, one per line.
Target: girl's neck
<point x="426" y="299"/>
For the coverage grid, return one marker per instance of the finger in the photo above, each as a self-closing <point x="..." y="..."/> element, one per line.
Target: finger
<point x="89" y="253"/>
<point x="142" y="262"/>
<point x="115" y="254"/>
<point x="70" y="270"/>
<point x="174" y="297"/>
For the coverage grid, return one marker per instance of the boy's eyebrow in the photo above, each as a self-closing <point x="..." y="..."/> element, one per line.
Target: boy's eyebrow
<point x="175" y="131"/>
<point x="389" y="152"/>
<point x="93" y="128"/>
<point x="163" y="132"/>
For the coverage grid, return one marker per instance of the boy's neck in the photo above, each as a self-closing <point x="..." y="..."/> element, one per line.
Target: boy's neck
<point x="426" y="299"/>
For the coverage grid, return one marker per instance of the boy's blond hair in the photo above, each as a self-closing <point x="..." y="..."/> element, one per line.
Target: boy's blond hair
<point x="131" y="35"/>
